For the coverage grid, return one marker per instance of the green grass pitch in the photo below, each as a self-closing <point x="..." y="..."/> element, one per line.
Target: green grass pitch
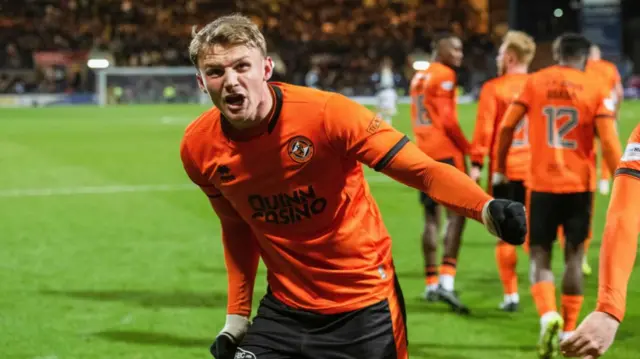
<point x="107" y="251"/>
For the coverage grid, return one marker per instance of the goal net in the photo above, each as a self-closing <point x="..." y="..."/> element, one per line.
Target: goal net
<point x="148" y="85"/>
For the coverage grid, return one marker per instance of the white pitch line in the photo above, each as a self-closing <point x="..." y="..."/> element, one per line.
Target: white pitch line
<point x="175" y="120"/>
<point x="81" y="190"/>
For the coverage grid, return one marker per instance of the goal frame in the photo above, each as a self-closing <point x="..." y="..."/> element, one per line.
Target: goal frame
<point x="101" y="80"/>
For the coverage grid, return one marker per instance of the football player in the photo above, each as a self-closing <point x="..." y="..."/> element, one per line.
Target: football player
<point x="438" y="134"/>
<point x="617" y="256"/>
<point x="566" y="108"/>
<point x="281" y="166"/>
<point x="514" y="56"/>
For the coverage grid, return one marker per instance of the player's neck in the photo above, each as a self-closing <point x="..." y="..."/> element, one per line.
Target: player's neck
<point x="573" y="65"/>
<point x="267" y="101"/>
<point x="518" y="69"/>
<point x="437" y="59"/>
<point x="261" y="120"/>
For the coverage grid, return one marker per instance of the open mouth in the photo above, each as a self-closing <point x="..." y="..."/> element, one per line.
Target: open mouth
<point x="234" y="100"/>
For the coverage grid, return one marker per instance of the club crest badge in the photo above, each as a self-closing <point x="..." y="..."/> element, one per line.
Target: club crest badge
<point x="300" y="149"/>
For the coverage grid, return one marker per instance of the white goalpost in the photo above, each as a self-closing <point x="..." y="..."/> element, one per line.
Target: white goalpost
<point x="159" y="85"/>
<point x="148" y="85"/>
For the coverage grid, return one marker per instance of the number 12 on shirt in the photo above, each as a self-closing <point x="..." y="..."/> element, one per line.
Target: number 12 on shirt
<point x="423" y="118"/>
<point x="556" y="135"/>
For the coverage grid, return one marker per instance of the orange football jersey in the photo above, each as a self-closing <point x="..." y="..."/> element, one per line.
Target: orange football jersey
<point x="495" y="97"/>
<point x="433" y="113"/>
<point x="607" y="71"/>
<point x="620" y="238"/>
<point x="562" y="105"/>
<point x="296" y="196"/>
<point x="631" y="157"/>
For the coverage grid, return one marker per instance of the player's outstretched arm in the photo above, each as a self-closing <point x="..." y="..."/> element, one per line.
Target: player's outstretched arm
<point x="617" y="256"/>
<point x="356" y="133"/>
<point x="447" y="185"/>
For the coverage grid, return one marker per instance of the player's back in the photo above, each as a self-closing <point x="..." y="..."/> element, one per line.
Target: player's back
<point x="562" y="105"/>
<point x="606" y="70"/>
<point x="505" y="89"/>
<point x="432" y="106"/>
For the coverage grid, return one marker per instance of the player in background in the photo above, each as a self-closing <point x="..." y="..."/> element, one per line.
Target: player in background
<point x="566" y="108"/>
<point x="514" y="56"/>
<point x="611" y="78"/>
<point x="617" y="256"/>
<point x="437" y="133"/>
<point x="282" y="168"/>
<point x="387" y="97"/>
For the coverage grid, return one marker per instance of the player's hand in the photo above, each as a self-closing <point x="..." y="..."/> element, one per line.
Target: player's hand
<point x="592" y="338"/>
<point x="506" y="220"/>
<point x="224" y="347"/>
<point x="226" y="343"/>
<point x="475" y="173"/>
<point x="498" y="178"/>
<point x="603" y="186"/>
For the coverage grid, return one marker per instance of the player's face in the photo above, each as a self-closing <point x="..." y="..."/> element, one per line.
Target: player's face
<point x="452" y="50"/>
<point x="502" y="59"/>
<point x="234" y="76"/>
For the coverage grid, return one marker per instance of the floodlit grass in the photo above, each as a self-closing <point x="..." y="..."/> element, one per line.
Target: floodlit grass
<point x="106" y="251"/>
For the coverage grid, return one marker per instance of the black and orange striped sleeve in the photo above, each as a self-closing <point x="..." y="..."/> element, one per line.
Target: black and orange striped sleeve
<point x="356" y="132"/>
<point x="620" y="238"/>
<point x="444" y="183"/>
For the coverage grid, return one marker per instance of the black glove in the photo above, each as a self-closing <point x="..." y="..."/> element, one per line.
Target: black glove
<point x="224" y="347"/>
<point x="506" y="219"/>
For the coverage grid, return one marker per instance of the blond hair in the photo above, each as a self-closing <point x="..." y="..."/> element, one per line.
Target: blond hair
<point x="521" y="44"/>
<point x="233" y="29"/>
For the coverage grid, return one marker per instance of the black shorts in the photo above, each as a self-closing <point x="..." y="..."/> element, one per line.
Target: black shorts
<point x="513" y="190"/>
<point x="428" y="202"/>
<point x="548" y="211"/>
<point x="281" y="332"/>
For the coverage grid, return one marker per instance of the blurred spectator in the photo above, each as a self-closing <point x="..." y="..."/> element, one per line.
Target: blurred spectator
<point x="330" y="44"/>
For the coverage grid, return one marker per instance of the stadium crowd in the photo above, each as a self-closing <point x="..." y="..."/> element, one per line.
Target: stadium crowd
<point x="339" y="43"/>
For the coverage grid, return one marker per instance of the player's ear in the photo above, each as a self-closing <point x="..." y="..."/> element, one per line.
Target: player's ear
<point x="201" y="83"/>
<point x="268" y="68"/>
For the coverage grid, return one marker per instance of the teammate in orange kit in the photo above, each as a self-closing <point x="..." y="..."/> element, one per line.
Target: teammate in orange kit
<point x="514" y="56"/>
<point x="281" y="165"/>
<point x="617" y="256"/>
<point x="438" y="134"/>
<point x="566" y="108"/>
<point x="611" y="78"/>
